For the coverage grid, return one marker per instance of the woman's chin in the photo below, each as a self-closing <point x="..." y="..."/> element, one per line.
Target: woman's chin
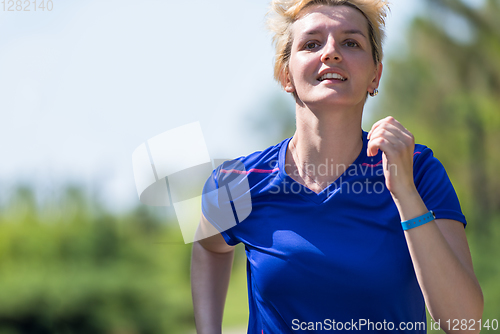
<point x="330" y="100"/>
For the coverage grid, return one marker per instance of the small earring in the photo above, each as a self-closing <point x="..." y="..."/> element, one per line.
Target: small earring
<point x="375" y="93"/>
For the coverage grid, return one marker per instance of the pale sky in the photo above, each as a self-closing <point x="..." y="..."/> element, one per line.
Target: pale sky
<point x="83" y="85"/>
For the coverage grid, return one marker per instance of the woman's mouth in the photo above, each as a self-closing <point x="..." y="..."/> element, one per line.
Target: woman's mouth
<point x="334" y="76"/>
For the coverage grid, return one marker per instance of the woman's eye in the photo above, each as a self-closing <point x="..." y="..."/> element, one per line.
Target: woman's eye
<point x="311" y="45"/>
<point x="351" y="44"/>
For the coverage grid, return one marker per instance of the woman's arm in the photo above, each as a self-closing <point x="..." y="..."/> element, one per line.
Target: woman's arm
<point x="438" y="249"/>
<point x="443" y="265"/>
<point x="211" y="265"/>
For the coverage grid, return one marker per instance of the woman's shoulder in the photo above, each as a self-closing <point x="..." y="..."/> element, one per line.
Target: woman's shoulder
<point x="423" y="154"/>
<point x="259" y="161"/>
<point x="426" y="166"/>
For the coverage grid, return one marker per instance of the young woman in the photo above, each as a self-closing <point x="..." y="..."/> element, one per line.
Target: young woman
<point x="340" y="235"/>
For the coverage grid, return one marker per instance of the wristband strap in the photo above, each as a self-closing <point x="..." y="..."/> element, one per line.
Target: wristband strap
<point x="409" y="224"/>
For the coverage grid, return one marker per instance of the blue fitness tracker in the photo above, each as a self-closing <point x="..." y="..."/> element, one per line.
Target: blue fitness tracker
<point x="409" y="224"/>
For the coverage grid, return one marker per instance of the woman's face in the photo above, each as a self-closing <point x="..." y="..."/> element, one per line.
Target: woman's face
<point x="331" y="58"/>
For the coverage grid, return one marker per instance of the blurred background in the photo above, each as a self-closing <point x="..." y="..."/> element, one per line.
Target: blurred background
<point x="83" y="83"/>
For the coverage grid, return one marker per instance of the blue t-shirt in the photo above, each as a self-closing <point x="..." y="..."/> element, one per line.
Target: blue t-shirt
<point x="337" y="260"/>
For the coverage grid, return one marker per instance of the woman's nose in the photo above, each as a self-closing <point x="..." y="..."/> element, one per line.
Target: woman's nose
<point x="331" y="52"/>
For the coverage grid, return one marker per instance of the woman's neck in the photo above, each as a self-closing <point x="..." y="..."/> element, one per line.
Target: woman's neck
<point x="325" y="143"/>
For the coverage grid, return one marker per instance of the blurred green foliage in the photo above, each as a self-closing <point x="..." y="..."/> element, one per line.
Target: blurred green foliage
<point x="68" y="268"/>
<point x="446" y="90"/>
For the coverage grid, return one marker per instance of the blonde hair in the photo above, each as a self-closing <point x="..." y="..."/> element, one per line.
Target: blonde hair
<point x="283" y="13"/>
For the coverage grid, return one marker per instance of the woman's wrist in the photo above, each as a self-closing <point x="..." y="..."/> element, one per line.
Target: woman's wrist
<point x="410" y="205"/>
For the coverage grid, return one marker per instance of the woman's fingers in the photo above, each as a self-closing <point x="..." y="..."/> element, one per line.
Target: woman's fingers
<point x="394" y="133"/>
<point x="385" y="141"/>
<point x="388" y="119"/>
<point x="397" y="145"/>
<point x="388" y="122"/>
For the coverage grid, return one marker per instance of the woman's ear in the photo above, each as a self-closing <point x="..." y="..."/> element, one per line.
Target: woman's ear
<point x="378" y="74"/>
<point x="286" y="81"/>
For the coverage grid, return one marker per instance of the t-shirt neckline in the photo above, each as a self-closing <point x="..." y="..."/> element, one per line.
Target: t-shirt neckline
<point x="299" y="189"/>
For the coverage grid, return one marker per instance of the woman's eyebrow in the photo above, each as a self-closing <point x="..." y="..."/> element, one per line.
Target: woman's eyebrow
<point x="345" y="32"/>
<point x="354" y="31"/>
<point x="312" y="32"/>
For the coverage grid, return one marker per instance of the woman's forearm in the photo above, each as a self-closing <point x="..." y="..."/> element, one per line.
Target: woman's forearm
<point x="210" y="273"/>
<point x="444" y="271"/>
